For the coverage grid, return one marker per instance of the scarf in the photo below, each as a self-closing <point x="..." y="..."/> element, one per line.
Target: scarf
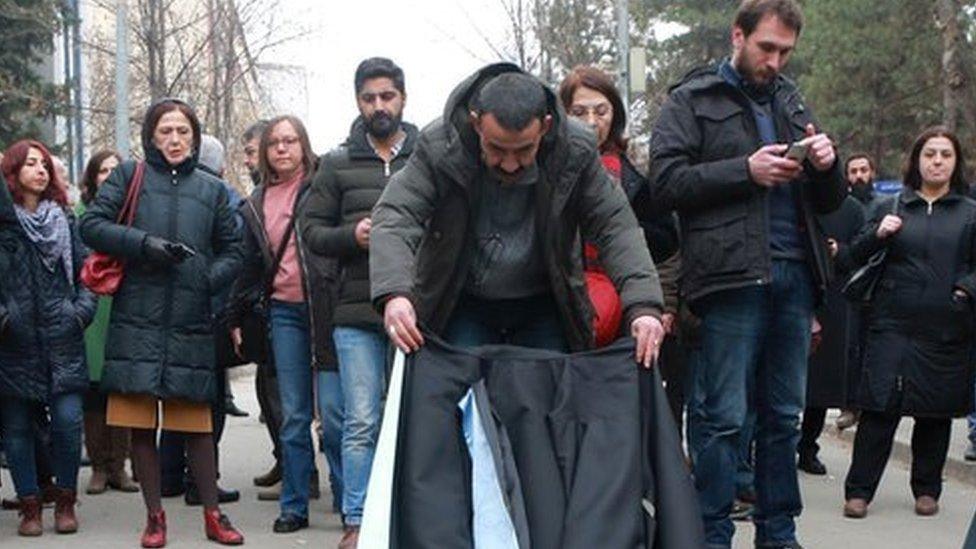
<point x="48" y="230"/>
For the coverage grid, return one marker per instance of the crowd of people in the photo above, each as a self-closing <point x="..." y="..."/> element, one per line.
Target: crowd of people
<point x="515" y="218"/>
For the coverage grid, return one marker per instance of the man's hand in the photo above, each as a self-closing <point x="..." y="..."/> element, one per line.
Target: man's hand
<point x="820" y="149"/>
<point x="363" y="228"/>
<point x="832" y="247"/>
<point x="400" y="322"/>
<point x="667" y="321"/>
<point x="649" y="333"/>
<point x="890" y="225"/>
<point x="237" y="340"/>
<point x="769" y="168"/>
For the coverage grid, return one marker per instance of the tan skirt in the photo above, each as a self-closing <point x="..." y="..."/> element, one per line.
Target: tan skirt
<point x="143" y="412"/>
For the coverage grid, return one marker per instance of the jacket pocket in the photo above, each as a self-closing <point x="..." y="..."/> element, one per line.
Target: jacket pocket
<point x="723" y="129"/>
<point x="716" y="240"/>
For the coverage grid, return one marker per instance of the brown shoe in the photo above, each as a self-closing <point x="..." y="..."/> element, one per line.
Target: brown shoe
<point x="856" y="508"/>
<point x="98" y="483"/>
<point x="30" y="517"/>
<point x="65" y="521"/>
<point x="926" y="506"/>
<point x="350" y="537"/>
<point x="122" y="482"/>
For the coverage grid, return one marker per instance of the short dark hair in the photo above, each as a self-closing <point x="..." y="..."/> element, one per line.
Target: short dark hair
<point x="514" y="98"/>
<point x="379" y="67"/>
<point x="913" y="175"/>
<point x="751" y="12"/>
<point x="588" y="76"/>
<point x="858" y="156"/>
<point x="254" y="131"/>
<point x="309" y="160"/>
<point x="89" y="186"/>
<point x="166" y="105"/>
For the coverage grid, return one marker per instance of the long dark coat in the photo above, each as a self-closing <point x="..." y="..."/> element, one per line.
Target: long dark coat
<point x="919" y="343"/>
<point x="160" y="337"/>
<point x="827" y="379"/>
<point x="42" y="348"/>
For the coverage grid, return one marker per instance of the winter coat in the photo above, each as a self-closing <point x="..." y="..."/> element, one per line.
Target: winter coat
<point x="919" y="342"/>
<point x="43" y="317"/>
<point x="827" y="377"/>
<point x="419" y="244"/>
<point x="318" y="276"/>
<point x="160" y="336"/>
<point x="347" y="185"/>
<point x="699" y="166"/>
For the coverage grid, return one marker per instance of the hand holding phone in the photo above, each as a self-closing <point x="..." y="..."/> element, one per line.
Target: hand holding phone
<point x="797" y="151"/>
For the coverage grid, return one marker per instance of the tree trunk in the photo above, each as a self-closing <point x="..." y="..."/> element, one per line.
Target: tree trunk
<point x="953" y="75"/>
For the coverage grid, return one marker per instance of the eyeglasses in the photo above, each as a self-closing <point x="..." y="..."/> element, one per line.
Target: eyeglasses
<point x="289" y="141"/>
<point x="580" y="111"/>
<point x="384" y="96"/>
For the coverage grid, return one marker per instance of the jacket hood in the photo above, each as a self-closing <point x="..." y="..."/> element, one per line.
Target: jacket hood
<point x="458" y="107"/>
<point x="154" y="156"/>
<point x="358" y="145"/>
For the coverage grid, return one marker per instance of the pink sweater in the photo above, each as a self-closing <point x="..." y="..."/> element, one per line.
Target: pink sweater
<point x="279" y="205"/>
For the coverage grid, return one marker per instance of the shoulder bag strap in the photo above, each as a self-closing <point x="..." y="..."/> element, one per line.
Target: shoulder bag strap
<point x="128" y="211"/>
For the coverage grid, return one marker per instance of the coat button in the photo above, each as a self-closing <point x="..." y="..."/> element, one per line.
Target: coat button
<point x="436" y="235"/>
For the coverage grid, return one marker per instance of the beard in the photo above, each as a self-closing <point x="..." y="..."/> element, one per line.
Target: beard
<point x="755" y="77"/>
<point x="382" y="124"/>
<point x="862" y="191"/>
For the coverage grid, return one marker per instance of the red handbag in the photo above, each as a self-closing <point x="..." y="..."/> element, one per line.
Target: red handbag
<point x="102" y="273"/>
<point x="607" y="309"/>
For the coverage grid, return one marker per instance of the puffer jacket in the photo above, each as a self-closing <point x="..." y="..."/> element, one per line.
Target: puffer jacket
<point x="347" y="185"/>
<point x="43" y="316"/>
<point x="160" y="336"/>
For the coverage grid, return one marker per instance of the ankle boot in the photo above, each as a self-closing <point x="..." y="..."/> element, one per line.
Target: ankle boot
<point x="65" y="521"/>
<point x="154" y="536"/>
<point x="30" y="517"/>
<point x="219" y="529"/>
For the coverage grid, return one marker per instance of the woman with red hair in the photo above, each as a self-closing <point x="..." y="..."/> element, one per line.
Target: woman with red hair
<point x="44" y="310"/>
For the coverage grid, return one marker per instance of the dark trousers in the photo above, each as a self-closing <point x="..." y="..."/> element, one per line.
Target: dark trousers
<point x="172" y="444"/>
<point x="673" y="365"/>
<point x="872" y="447"/>
<point x="269" y="400"/>
<point x="813" y="424"/>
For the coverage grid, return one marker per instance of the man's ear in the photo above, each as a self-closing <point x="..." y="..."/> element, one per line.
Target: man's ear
<point x="475" y="120"/>
<point x="546" y="124"/>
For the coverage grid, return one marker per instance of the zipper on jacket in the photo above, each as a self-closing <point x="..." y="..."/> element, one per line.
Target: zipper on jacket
<point x="168" y="307"/>
<point x="306" y="281"/>
<point x="899" y="384"/>
<point x="386" y="168"/>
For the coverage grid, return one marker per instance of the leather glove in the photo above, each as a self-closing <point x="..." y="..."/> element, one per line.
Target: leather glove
<point x="162" y="252"/>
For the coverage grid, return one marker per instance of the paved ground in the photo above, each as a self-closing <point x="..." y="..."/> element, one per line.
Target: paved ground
<point x="115" y="520"/>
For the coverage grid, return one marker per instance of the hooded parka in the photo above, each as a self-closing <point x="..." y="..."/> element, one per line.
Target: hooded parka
<point x="160" y="336"/>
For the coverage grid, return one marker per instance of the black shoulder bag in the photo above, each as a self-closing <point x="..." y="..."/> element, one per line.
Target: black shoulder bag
<point x="859" y="288"/>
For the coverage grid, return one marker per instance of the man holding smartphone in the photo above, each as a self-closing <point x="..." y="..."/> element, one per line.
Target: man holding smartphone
<point x="754" y="261"/>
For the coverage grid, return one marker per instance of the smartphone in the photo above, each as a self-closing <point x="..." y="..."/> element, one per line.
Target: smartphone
<point x="797" y="151"/>
<point x="182" y="250"/>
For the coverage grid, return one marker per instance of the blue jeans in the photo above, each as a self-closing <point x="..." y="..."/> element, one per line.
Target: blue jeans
<point x="290" y="343"/>
<point x="530" y="322"/>
<point x="762" y="334"/>
<point x="362" y="374"/>
<point x="331" y="411"/>
<point x="17" y="422"/>
<point x="971" y="420"/>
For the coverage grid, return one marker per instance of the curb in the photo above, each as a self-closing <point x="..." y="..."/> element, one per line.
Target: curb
<point x="955" y="468"/>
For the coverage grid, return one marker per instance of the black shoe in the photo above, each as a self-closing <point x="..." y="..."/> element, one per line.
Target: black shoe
<point x="811" y="464"/>
<point x="192" y="496"/>
<point x="286" y="524"/>
<point x="781" y="545"/>
<point x="232" y="410"/>
<point x="270" y="478"/>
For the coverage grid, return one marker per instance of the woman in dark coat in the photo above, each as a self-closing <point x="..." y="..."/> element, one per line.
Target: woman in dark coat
<point x="918" y="349"/>
<point x="830" y="359"/>
<point x="181" y="248"/>
<point x="43" y="313"/>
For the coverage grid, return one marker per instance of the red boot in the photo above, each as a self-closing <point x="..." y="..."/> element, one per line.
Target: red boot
<point x="154" y="535"/>
<point x="219" y="528"/>
<point x="30" y="517"/>
<point x="65" y="521"/>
